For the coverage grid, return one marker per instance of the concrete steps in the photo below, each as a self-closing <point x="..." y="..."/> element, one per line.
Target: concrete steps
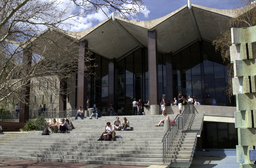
<point x="142" y="146"/>
<point x="184" y="146"/>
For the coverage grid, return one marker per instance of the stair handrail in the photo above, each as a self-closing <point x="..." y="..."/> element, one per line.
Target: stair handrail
<point x="170" y="134"/>
<point x="189" y="109"/>
<point x="169" y="137"/>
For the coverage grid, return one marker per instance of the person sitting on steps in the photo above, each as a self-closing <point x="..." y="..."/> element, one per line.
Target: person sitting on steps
<point x="125" y="124"/>
<point x="95" y="113"/>
<point x="80" y="113"/>
<point x="109" y="129"/>
<point x="63" y="126"/>
<point x="54" y="126"/>
<point x="162" y="121"/>
<point x="117" y="124"/>
<point x="70" y="125"/>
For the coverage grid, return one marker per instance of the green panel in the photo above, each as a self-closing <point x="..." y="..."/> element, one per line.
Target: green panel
<point x="246" y="85"/>
<point x="246" y="101"/>
<point x="246" y="137"/>
<point x="254" y="118"/>
<point x="244" y="119"/>
<point x="245" y="68"/>
<point x="243" y="51"/>
<point x="242" y="154"/>
<point x="253" y="84"/>
<point x="252" y="50"/>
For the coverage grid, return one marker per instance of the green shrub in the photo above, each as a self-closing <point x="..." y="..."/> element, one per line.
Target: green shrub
<point x="30" y="125"/>
<point x="5" y="114"/>
<point x="38" y="124"/>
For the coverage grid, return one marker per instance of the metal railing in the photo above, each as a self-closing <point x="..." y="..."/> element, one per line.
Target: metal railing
<point x="184" y="117"/>
<point x="170" y="135"/>
<point x="12" y="116"/>
<point x="168" y="139"/>
<point x="7" y="116"/>
<point x="52" y="114"/>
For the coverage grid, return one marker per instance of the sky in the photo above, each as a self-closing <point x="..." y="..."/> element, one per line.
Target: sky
<point x="153" y="9"/>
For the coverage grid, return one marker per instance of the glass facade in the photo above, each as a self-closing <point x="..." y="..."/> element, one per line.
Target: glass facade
<point x="132" y="81"/>
<point x="219" y="135"/>
<point x="97" y="84"/>
<point x="197" y="70"/>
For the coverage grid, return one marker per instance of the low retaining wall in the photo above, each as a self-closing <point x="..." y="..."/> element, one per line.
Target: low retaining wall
<point x="207" y="110"/>
<point x="11" y="126"/>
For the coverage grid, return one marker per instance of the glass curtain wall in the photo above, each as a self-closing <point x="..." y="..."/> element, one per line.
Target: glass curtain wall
<point x="132" y="81"/>
<point x="200" y="72"/>
<point x="97" y="90"/>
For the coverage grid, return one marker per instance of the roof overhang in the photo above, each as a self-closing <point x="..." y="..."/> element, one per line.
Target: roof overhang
<point x="117" y="38"/>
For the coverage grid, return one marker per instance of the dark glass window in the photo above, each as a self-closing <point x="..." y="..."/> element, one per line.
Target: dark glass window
<point x="129" y="82"/>
<point x="219" y="135"/>
<point x="121" y="87"/>
<point x="104" y="81"/>
<point x="218" y="70"/>
<point x="200" y="72"/>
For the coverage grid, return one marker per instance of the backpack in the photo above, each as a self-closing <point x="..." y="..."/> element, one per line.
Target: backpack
<point x="46" y="132"/>
<point x="172" y="122"/>
<point x="107" y="137"/>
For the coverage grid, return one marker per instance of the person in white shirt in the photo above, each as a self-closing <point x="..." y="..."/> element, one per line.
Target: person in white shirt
<point x="134" y="107"/>
<point x="79" y="113"/>
<point x="190" y="100"/>
<point x="109" y="129"/>
<point x="196" y="102"/>
<point x="175" y="102"/>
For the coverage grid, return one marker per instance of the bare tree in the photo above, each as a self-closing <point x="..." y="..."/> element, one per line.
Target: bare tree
<point x="246" y="18"/>
<point x="30" y="56"/>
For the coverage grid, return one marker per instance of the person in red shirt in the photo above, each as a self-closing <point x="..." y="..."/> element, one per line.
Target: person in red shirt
<point x="139" y="107"/>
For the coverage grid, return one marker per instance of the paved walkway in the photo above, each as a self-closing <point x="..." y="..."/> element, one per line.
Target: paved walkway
<point x="14" y="163"/>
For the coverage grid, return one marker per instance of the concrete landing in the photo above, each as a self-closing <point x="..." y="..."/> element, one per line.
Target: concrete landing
<point x="217" y="158"/>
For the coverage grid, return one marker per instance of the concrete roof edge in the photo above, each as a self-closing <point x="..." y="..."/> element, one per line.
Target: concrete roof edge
<point x="233" y="13"/>
<point x="84" y="33"/>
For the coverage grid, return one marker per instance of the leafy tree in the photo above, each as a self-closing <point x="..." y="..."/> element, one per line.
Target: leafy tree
<point x="22" y="22"/>
<point x="246" y="18"/>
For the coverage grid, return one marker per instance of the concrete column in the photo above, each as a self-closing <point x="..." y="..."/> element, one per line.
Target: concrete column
<point x="81" y="100"/>
<point x="152" y="70"/>
<point x="111" y="81"/>
<point x="169" y="77"/>
<point x="24" y="106"/>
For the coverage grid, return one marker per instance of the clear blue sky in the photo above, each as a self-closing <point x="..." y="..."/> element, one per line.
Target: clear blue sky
<point x="159" y="8"/>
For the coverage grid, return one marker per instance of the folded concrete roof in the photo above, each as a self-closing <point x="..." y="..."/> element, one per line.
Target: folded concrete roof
<point x="115" y="39"/>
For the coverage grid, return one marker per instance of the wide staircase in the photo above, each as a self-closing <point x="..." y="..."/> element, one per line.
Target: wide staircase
<point x="142" y="147"/>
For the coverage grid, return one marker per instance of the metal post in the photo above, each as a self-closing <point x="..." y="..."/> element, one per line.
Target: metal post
<point x="180" y="123"/>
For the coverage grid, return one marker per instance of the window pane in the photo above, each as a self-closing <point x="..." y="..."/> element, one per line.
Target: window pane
<point x="218" y="70"/>
<point x="209" y="96"/>
<point x="196" y="87"/>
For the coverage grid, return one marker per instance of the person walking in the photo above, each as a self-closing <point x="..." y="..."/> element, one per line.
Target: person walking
<point x="134" y="107"/>
<point x="40" y="110"/>
<point x="17" y="109"/>
<point x="180" y="100"/>
<point x="163" y="104"/>
<point x="87" y="107"/>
